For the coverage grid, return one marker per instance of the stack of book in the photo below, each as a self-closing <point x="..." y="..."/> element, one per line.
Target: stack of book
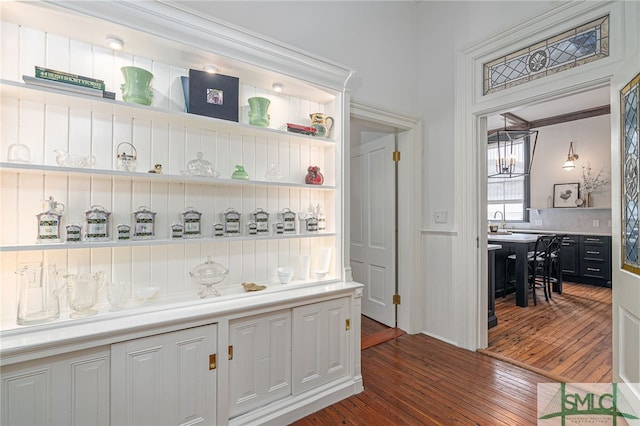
<point x="69" y="82"/>
<point x="297" y="128"/>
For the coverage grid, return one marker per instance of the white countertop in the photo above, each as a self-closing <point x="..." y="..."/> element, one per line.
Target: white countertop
<point x="513" y="238"/>
<point x="546" y="231"/>
<point x="31" y="342"/>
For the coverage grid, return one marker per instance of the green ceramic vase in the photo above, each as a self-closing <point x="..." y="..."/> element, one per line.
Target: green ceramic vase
<point x="137" y="85"/>
<point x="258" y="113"/>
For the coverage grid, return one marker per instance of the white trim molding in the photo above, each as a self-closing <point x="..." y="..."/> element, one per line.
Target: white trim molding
<point x="410" y="198"/>
<point x="471" y="109"/>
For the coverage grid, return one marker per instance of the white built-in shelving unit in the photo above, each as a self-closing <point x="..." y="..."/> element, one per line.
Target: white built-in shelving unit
<point x="168" y="40"/>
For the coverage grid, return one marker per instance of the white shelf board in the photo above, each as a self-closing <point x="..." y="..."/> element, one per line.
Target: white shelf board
<point x="139" y="176"/>
<point x="17" y="90"/>
<point x="568" y="208"/>
<point x="156" y="242"/>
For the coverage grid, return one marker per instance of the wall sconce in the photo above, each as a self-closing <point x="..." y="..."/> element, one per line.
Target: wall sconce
<point x="277" y="87"/>
<point x="211" y="69"/>
<point x="571" y="157"/>
<point x="114" y="42"/>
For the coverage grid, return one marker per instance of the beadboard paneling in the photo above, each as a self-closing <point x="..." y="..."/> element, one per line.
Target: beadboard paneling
<point x="49" y="122"/>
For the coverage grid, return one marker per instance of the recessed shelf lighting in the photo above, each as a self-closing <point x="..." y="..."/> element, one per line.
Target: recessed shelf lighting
<point x="211" y="69"/>
<point x="277" y="87"/>
<point x="114" y="42"/>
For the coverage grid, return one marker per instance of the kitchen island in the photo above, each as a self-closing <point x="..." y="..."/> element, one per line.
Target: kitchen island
<point x="520" y="244"/>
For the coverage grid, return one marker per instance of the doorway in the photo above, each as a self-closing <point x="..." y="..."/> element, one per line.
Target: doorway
<point x="373" y="204"/>
<point x="373" y="123"/>
<point x="539" y="337"/>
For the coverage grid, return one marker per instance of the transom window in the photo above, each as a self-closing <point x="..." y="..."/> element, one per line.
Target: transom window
<point x="578" y="46"/>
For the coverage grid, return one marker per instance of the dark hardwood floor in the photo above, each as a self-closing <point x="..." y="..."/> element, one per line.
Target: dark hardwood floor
<point x="419" y="380"/>
<point x="567" y="338"/>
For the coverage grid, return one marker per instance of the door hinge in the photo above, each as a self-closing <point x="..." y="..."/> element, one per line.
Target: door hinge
<point x="230" y="352"/>
<point x="396" y="156"/>
<point x="212" y="362"/>
<point x="396" y="299"/>
<point x="347" y="324"/>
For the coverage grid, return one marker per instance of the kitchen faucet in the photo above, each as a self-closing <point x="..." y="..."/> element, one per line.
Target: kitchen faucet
<point x="503" y="224"/>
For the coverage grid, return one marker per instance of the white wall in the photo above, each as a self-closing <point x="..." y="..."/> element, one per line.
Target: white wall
<point x="445" y="29"/>
<point x="377" y="39"/>
<point x="592" y="143"/>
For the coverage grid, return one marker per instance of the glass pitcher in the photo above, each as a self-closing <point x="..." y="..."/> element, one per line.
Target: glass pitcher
<point x="38" y="294"/>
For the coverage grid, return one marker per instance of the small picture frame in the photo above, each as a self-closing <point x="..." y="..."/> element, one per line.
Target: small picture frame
<point x="565" y="195"/>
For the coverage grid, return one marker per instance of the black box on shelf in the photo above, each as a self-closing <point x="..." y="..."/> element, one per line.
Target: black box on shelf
<point x="213" y="95"/>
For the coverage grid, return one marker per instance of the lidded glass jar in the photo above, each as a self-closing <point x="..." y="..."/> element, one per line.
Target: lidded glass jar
<point x="201" y="167"/>
<point x="207" y="275"/>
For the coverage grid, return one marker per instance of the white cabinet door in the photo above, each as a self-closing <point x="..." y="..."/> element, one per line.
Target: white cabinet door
<point x="320" y="343"/>
<point x="70" y="389"/>
<point x="260" y="360"/>
<point x="166" y="379"/>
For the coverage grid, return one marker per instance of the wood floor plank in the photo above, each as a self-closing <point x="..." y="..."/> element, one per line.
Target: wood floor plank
<point x="568" y="336"/>
<point x="419" y="380"/>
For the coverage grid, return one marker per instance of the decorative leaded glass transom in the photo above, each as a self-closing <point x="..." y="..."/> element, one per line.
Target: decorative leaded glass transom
<point x="578" y="46"/>
<point x="629" y="130"/>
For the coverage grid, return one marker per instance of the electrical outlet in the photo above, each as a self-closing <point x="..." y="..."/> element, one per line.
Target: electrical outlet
<point x="596" y="223"/>
<point x="538" y="222"/>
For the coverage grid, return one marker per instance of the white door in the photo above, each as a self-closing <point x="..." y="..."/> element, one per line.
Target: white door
<point x="626" y="285"/>
<point x="166" y="379"/>
<point x="373" y="226"/>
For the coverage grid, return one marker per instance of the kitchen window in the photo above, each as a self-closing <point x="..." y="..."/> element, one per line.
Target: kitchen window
<point x="509" y="195"/>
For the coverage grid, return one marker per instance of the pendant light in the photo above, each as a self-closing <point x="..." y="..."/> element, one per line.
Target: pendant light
<point x="507" y="164"/>
<point x="571" y="157"/>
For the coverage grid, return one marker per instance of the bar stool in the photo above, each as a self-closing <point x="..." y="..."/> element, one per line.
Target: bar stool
<point x="540" y="262"/>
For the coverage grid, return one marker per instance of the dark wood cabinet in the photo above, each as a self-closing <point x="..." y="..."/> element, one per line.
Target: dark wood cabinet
<point x="570" y="255"/>
<point x="587" y="259"/>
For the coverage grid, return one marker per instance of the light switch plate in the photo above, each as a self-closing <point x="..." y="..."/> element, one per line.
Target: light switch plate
<point x="440" y="216"/>
<point x="538" y="222"/>
<point x="596" y="223"/>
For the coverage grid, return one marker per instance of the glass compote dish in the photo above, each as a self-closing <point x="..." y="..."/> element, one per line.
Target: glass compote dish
<point x="207" y="275"/>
